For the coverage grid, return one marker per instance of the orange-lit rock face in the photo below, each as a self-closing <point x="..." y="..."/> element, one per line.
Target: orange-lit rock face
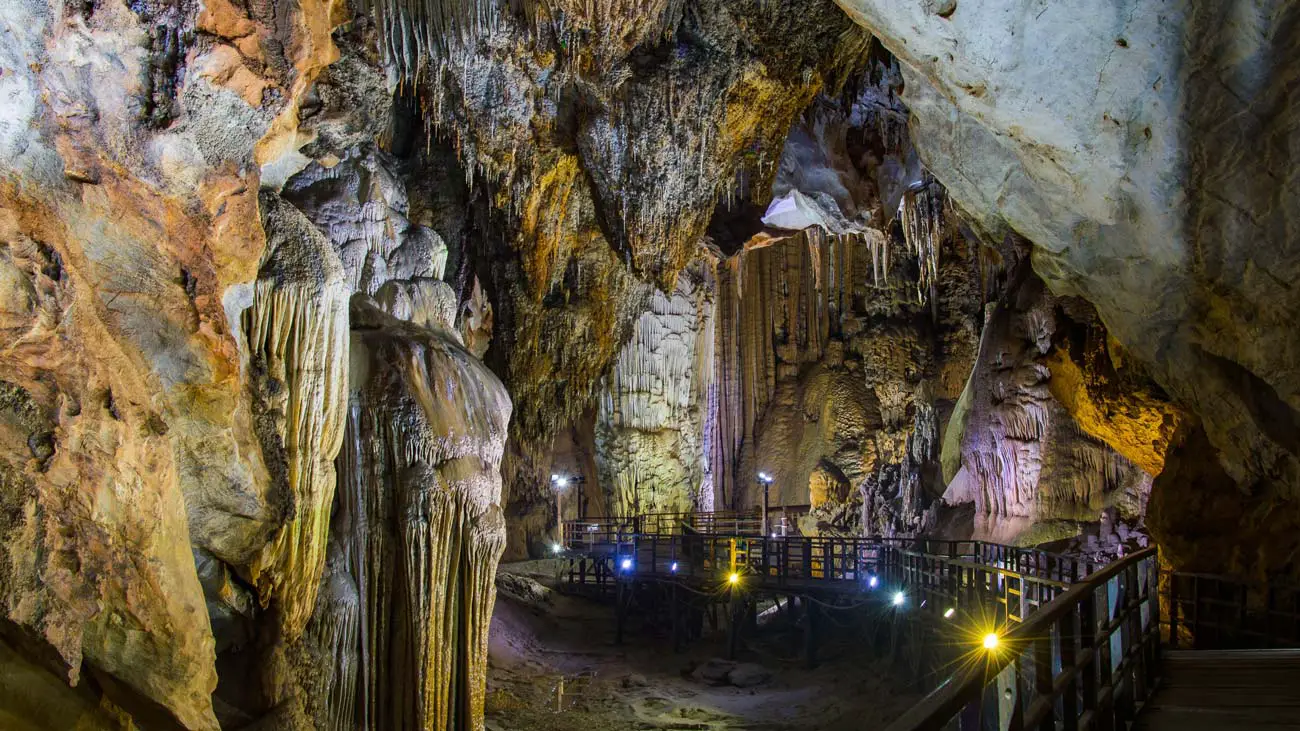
<point x="96" y="540"/>
<point x="1133" y="422"/>
<point x="129" y="236"/>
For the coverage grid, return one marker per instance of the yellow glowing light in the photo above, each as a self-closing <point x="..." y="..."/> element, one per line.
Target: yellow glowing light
<point x="734" y="578"/>
<point x="991" y="641"/>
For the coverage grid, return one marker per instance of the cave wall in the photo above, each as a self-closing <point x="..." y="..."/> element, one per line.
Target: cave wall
<point x="131" y="144"/>
<point x="175" y="373"/>
<point x="1144" y="148"/>
<point x="1048" y="434"/>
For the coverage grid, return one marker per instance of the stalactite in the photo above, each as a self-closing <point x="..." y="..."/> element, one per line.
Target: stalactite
<point x="297" y="336"/>
<point x="779" y="308"/>
<point x="922" y="212"/>
<point x="412" y="31"/>
<point x="419" y="486"/>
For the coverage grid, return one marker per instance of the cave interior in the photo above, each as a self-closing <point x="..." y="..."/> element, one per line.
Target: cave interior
<point x="336" y="336"/>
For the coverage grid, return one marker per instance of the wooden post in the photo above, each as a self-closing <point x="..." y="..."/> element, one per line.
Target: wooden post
<point x="1042" y="678"/>
<point x="811" y="613"/>
<point x="620" y="611"/>
<point x="1012" y="676"/>
<point x="1137" y="635"/>
<point x="675" y="611"/>
<point x="1070" y="695"/>
<point x="1088" y="640"/>
<point x="1105" y="716"/>
<point x="969" y="720"/>
<point x="736" y="616"/>
<point x="1173" y="610"/>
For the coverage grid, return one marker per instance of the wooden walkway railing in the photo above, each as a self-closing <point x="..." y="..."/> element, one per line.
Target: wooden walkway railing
<point x="1070" y="648"/>
<point x="1222" y="613"/>
<point x="999" y="582"/>
<point x="1083" y="661"/>
<point x="591" y="533"/>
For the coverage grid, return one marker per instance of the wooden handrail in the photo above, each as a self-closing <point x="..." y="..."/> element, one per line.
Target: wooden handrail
<point x="966" y="690"/>
<point x="1223" y="612"/>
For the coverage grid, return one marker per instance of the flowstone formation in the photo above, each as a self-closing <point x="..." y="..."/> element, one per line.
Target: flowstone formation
<point x="650" y="445"/>
<point x="1048" y="434"/>
<point x="417" y="531"/>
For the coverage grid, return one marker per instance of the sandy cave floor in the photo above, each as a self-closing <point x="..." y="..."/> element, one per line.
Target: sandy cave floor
<point x="539" y="636"/>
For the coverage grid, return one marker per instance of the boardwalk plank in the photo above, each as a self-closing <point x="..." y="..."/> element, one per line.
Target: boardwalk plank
<point x="1226" y="689"/>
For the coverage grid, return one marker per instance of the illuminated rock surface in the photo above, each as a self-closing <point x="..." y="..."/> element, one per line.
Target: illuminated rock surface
<point x="301" y="306"/>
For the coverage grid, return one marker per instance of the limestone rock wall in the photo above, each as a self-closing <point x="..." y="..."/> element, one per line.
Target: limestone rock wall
<point x="132" y="141"/>
<point x="174" y="370"/>
<point x="1139" y="146"/>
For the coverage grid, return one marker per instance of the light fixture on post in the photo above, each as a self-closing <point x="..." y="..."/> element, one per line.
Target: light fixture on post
<point x="559" y="482"/>
<point x="765" y="480"/>
<point x="899" y="598"/>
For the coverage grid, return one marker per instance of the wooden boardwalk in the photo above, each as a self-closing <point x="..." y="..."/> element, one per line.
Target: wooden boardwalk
<point x="1219" y="690"/>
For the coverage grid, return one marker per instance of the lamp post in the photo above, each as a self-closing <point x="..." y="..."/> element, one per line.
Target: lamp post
<point x="765" y="480"/>
<point x="558" y="483"/>
<point x="578" y="480"/>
